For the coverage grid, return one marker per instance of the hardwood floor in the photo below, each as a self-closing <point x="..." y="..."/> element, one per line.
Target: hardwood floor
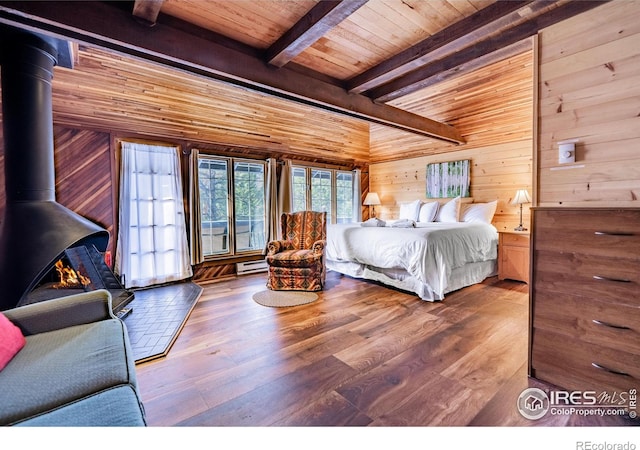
<point x="362" y="354"/>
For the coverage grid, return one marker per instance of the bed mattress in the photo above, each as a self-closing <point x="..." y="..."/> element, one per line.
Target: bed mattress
<point x="430" y="259"/>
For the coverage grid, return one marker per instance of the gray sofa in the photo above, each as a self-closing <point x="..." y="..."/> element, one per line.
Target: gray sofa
<point x="76" y="368"/>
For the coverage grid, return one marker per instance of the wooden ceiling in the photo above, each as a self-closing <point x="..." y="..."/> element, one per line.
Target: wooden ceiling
<point x="354" y="57"/>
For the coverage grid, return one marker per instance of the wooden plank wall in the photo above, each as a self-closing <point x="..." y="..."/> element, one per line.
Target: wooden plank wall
<point x="493" y="109"/>
<point x="496" y="173"/>
<point x="84" y="181"/>
<point x="590" y="91"/>
<point x="123" y="95"/>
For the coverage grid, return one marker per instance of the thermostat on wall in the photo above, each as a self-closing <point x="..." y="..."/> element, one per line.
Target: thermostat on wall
<point x="567" y="151"/>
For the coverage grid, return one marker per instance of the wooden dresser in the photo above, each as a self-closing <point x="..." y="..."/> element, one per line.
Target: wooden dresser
<point x="585" y="298"/>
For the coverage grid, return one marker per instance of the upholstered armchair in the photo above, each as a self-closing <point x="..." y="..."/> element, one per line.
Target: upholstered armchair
<point x="296" y="263"/>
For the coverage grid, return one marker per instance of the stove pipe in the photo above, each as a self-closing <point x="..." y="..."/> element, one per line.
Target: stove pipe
<point x="35" y="229"/>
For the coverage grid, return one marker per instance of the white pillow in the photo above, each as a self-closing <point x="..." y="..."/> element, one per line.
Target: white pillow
<point x="428" y="212"/>
<point x="409" y="210"/>
<point x="449" y="211"/>
<point x="480" y="212"/>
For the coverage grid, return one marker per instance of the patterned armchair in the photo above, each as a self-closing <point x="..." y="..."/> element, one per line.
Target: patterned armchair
<point x="296" y="263"/>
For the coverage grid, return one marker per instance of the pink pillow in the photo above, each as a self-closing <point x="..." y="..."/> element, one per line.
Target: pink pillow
<point x="11" y="341"/>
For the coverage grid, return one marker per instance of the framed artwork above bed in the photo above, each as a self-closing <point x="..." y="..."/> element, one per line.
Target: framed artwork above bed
<point x="448" y="179"/>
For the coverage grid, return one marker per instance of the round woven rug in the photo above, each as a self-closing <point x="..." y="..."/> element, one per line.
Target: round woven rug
<point x="280" y="299"/>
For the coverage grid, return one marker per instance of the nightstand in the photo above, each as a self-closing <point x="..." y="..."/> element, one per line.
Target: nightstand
<point x="513" y="255"/>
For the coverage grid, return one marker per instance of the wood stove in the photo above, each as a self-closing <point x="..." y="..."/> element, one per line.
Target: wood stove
<point x="35" y="231"/>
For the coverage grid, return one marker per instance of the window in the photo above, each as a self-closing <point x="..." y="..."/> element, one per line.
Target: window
<point x="232" y="205"/>
<point x="299" y="188"/>
<point x="214" y="205"/>
<point x="326" y="190"/>
<point x="344" y="197"/>
<point x="249" y="198"/>
<point x="152" y="239"/>
<point x="322" y="192"/>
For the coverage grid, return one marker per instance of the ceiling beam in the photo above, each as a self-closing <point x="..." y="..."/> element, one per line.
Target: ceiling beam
<point x="480" y="62"/>
<point x="485" y="22"/>
<point x="424" y="76"/>
<point x="324" y="16"/>
<point x="147" y="11"/>
<point x="105" y="26"/>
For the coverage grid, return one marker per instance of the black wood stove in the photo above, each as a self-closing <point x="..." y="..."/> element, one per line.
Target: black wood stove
<point x="36" y="231"/>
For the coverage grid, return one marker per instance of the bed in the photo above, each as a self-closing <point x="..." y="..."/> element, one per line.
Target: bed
<point x="429" y="259"/>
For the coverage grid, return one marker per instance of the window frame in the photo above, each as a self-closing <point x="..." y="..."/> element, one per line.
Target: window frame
<point x="231" y="161"/>
<point x="353" y="206"/>
<point x="308" y="169"/>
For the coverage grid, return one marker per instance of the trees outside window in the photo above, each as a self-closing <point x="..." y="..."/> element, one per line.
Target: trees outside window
<point x="232" y="205"/>
<point x="327" y="190"/>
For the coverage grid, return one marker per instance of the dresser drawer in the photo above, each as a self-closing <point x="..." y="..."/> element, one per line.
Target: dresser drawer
<point x="587" y="266"/>
<point x="590" y="220"/>
<point x="609" y="233"/>
<point x="514" y="240"/>
<point x="567" y="241"/>
<point x="575" y="365"/>
<point x="614" y="280"/>
<point x="589" y="320"/>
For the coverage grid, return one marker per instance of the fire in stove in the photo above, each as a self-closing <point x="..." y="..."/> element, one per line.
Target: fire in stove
<point x="70" y="278"/>
<point x="80" y="268"/>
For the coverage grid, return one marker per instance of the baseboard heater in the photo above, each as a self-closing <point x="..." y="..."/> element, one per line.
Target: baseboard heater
<point x="248" y="267"/>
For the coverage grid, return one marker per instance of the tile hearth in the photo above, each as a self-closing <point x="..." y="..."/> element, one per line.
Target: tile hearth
<point x="157" y="317"/>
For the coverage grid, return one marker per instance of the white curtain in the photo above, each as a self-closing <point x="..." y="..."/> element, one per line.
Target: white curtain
<point x="152" y="243"/>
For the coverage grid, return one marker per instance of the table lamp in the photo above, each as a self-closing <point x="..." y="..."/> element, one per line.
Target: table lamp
<point x="372" y="199"/>
<point x="521" y="197"/>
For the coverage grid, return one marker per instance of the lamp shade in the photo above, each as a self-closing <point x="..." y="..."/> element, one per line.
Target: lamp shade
<point x="371" y="199"/>
<point x="522" y="196"/>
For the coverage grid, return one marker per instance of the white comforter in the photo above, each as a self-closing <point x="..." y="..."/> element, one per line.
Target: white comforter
<point x="428" y="252"/>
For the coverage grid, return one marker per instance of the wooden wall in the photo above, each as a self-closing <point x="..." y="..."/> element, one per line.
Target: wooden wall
<point x="493" y="109"/>
<point x="84" y="181"/>
<point x="496" y="173"/>
<point x="590" y="90"/>
<point x="123" y="95"/>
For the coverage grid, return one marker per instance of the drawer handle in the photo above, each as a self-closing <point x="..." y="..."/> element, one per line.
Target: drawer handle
<point x="610" y="325"/>
<point x="606" y="369"/>
<point x="613" y="233"/>
<point x="619" y="280"/>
